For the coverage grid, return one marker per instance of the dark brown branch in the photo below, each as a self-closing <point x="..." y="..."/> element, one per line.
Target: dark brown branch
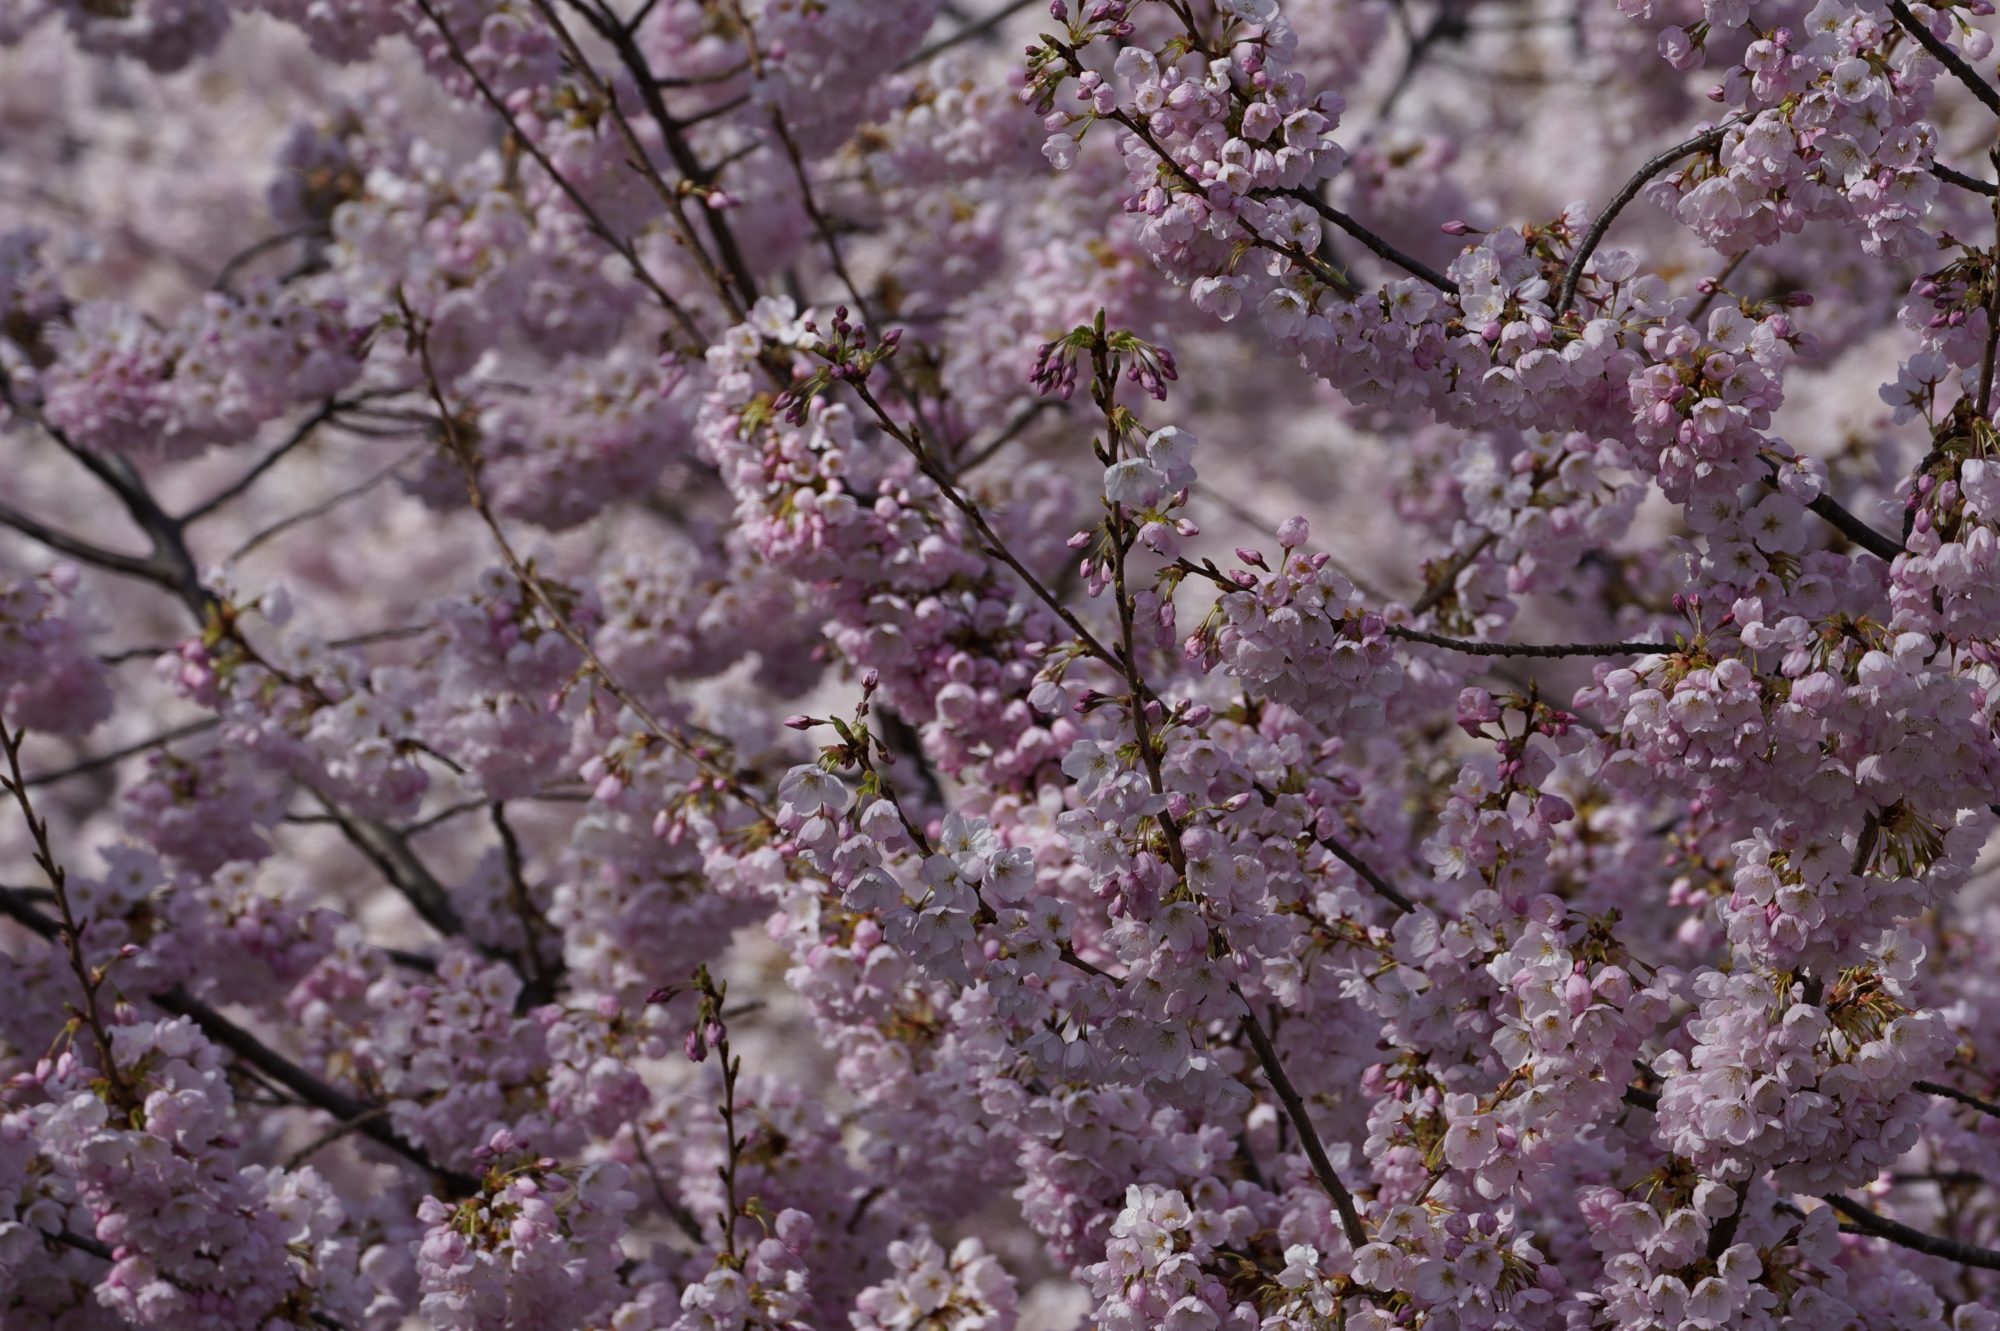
<point x="103" y="760"/>
<point x="174" y="565"/>
<point x="1868" y="1222"/>
<point x="1947" y="57"/>
<point x="672" y="132"/>
<point x="1295" y="1109"/>
<point x="1592" y="238"/>
<point x="1382" y="886"/>
<point x="327" y="410"/>
<point x="721" y="778"/>
<point x="1533" y="649"/>
<point x="1448" y="24"/>
<point x="71" y="1239"/>
<point x="1373" y="243"/>
<point x="1324" y="270"/>
<point x="1854" y="529"/>
<point x="227" y="273"/>
<point x="970" y="32"/>
<point x="334" y="1134"/>
<point x="389" y="851"/>
<point x="987" y="536"/>
<point x="1446" y="580"/>
<point x="325" y="506"/>
<point x="255" y="1054"/>
<point x="1985" y="399"/>
<point x="1875" y="1226"/>
<point x="1963" y="181"/>
<point x="1965" y="1098"/>
<point x="131" y="566"/>
<point x="618" y="244"/>
<point x="1368" y="875"/>
<point x="683" y="1218"/>
<point x="1008" y="434"/>
<point x="542" y="975"/>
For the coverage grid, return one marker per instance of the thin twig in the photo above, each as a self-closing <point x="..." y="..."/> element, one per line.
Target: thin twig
<point x="970" y="32"/>
<point x="1992" y="308"/>
<point x="89" y="978"/>
<point x="334" y="1134"/>
<point x="325" y="506"/>
<point x="1715" y="287"/>
<point x="462" y="454"/>
<point x="227" y="273"/>
<point x="1448" y="24"/>
<point x="99" y="761"/>
<point x="683" y="1218"/>
<point x="618" y="244"/>
<point x="1008" y="434"/>
<point x="326" y="412"/>
<point x="1446" y="580"/>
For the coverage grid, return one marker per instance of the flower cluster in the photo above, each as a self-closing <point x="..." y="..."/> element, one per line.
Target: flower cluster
<point x="530" y="1251"/>
<point x="627" y="702"/>
<point x="1820" y="1095"/>
<point x="213" y="378"/>
<point x="45" y="676"/>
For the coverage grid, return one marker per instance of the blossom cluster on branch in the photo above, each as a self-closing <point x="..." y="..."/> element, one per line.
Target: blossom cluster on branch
<point x="1201" y="665"/>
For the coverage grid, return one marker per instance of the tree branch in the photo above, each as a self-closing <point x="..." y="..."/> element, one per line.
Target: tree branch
<point x="1595" y="236"/>
<point x="1854" y="529"/>
<point x="131" y="566"/>
<point x="1295" y="1109"/>
<point x="254" y="1053"/>
<point x="1446" y="580"/>
<point x="174" y="564"/>
<point x="692" y="171"/>
<point x="543" y="976"/>
<point x="1533" y="649"/>
<point x="326" y="412"/>
<point x="1880" y="1227"/>
<point x="1962" y="1097"/>
<point x="1383" y="887"/>
<point x="1947" y="57"/>
<point x="970" y="32"/>
<point x="1375" y="245"/>
<point x="390" y="853"/>
<point x="618" y="244"/>
<point x="102" y="760"/>
<point x="1964" y="181"/>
